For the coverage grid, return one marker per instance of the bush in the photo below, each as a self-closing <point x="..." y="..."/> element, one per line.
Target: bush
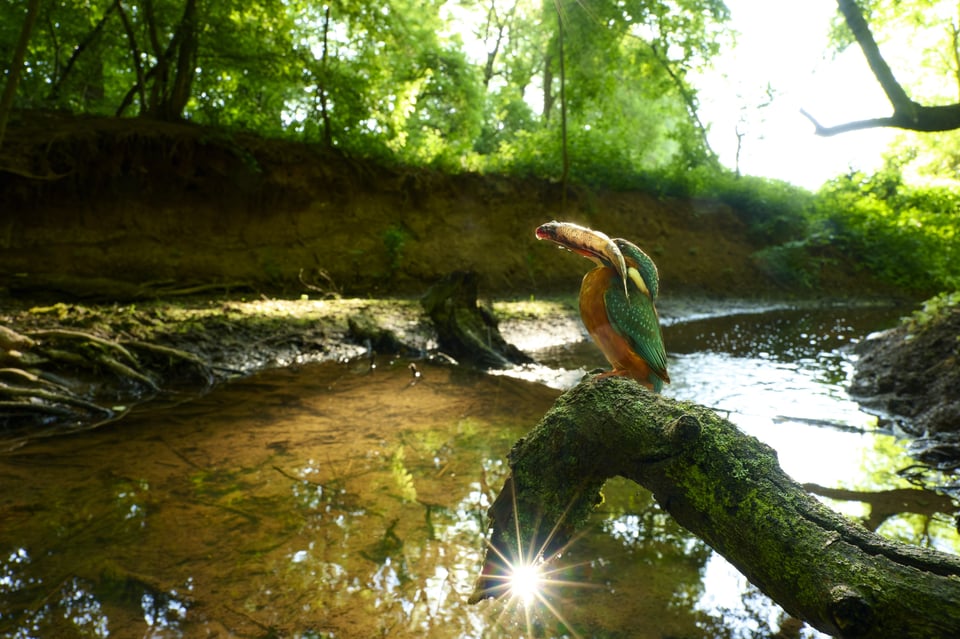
<point x="906" y="235"/>
<point x="776" y="212"/>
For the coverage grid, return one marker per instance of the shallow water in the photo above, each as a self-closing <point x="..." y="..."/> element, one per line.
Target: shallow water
<point x="338" y="501"/>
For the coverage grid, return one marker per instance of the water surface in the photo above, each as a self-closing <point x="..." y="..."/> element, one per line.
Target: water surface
<point x="336" y="500"/>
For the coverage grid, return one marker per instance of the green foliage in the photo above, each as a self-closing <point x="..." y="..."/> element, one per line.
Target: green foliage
<point x="476" y="86"/>
<point x="775" y="211"/>
<point x="789" y="264"/>
<point x="905" y="234"/>
<point x="933" y="310"/>
<point x="395" y="239"/>
<point x="404" y="81"/>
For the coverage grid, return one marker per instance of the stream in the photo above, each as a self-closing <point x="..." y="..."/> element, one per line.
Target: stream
<point x="348" y="499"/>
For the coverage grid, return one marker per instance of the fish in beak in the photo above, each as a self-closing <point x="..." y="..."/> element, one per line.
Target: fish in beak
<point x="593" y="245"/>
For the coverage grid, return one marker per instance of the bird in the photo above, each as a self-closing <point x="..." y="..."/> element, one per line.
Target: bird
<point x="618" y="301"/>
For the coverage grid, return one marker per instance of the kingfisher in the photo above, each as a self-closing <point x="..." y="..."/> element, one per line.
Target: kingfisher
<point x="617" y="301"/>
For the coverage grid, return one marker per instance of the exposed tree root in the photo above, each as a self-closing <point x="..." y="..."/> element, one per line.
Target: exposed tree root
<point x="174" y="356"/>
<point x="47" y="396"/>
<point x="465" y="330"/>
<point x="76" y="378"/>
<point x="84" y="337"/>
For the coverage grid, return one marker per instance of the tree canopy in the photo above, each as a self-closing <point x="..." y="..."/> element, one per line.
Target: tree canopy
<point x="453" y="84"/>
<point x="459" y="84"/>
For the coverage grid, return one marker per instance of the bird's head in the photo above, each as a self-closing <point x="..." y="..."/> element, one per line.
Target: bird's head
<point x="629" y="263"/>
<point x="593" y="245"/>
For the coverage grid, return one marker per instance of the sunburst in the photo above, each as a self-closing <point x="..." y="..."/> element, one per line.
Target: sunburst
<point x="530" y="580"/>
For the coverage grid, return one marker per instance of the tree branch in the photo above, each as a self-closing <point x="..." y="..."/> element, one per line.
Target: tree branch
<point x="729" y="490"/>
<point x="135" y="54"/>
<point x="16" y="66"/>
<point x="907" y="114"/>
<point x="689" y="99"/>
<point x="926" y="119"/>
<point x="871" y="51"/>
<point x="82" y="46"/>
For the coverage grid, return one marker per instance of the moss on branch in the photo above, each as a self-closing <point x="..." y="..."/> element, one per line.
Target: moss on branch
<point x="727" y="488"/>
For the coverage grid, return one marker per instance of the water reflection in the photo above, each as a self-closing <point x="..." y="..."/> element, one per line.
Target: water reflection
<point x="780" y="375"/>
<point x="336" y="501"/>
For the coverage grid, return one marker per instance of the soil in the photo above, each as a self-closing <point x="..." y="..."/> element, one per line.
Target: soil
<point x="128" y="209"/>
<point x="910" y="375"/>
<point x="105" y="221"/>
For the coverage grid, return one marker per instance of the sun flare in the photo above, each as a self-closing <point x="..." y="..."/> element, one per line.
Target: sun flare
<point x="532" y="581"/>
<point x="525" y="582"/>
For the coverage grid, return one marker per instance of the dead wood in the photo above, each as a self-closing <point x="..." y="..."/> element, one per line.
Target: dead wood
<point x="728" y="489"/>
<point x="465" y="330"/>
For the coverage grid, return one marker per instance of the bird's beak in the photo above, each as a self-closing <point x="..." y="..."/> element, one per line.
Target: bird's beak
<point x="591" y="244"/>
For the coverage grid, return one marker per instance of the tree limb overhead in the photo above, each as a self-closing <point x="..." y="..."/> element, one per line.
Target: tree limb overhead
<point x="907" y="114"/>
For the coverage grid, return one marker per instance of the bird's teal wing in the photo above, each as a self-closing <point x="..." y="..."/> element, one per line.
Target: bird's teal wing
<point x="636" y="320"/>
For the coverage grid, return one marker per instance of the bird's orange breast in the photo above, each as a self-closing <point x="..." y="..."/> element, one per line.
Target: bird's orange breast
<point x="615" y="348"/>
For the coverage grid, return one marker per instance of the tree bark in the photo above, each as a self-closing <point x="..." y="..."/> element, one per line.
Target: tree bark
<point x="16" y="66"/>
<point x="135" y="55"/>
<point x="169" y="95"/>
<point x="185" y="69"/>
<point x="160" y="70"/>
<point x="465" y="330"/>
<point x="907" y="114"/>
<point x="564" y="147"/>
<point x="548" y="97"/>
<point x="322" y="82"/>
<point x="728" y="489"/>
<point x="82" y="46"/>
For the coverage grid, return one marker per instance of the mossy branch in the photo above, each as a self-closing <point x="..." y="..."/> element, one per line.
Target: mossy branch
<point x="728" y="489"/>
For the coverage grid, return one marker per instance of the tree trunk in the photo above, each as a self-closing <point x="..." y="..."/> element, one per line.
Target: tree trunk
<point x="160" y="70"/>
<point x="169" y="96"/>
<point x="186" y="63"/>
<point x="322" y="82"/>
<point x="16" y="66"/>
<point x="729" y="490"/>
<point x="564" y="147"/>
<point x="135" y="56"/>
<point x="84" y="45"/>
<point x="547" y="85"/>
<point x="465" y="330"/>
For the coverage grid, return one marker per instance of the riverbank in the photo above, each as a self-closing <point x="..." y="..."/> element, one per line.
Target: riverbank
<point x="121" y="210"/>
<point x="75" y="366"/>
<point x="112" y="228"/>
<point x="910" y="376"/>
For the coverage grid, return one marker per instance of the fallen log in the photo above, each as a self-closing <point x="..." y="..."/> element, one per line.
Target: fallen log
<point x="728" y="489"/>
